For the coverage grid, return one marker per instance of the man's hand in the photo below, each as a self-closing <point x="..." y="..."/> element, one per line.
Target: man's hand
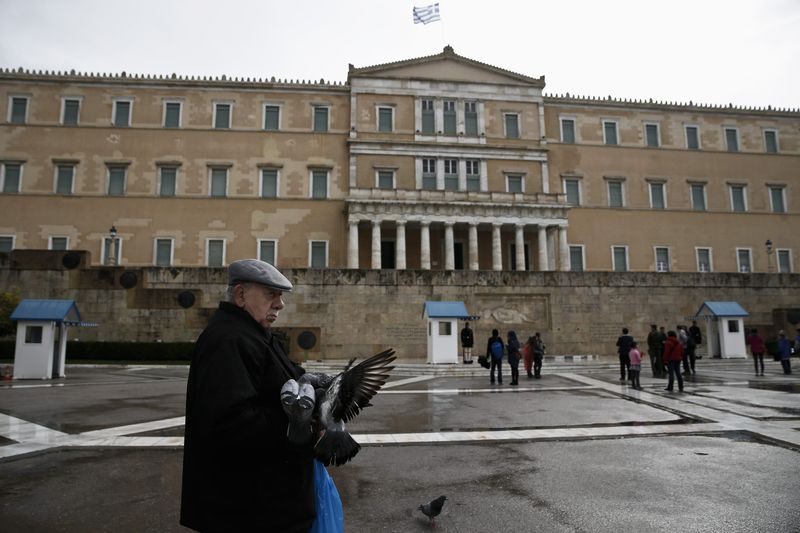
<point x="298" y="400"/>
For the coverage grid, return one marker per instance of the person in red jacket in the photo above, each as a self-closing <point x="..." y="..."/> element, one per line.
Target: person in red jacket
<point x="673" y="355"/>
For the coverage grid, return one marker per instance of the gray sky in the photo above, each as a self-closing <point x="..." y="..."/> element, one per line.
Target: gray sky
<point x="745" y="52"/>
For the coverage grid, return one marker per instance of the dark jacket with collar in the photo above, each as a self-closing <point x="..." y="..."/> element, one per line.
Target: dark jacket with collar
<point x="239" y="471"/>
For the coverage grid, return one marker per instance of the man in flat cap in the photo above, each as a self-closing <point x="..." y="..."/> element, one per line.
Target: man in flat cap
<point x="240" y="471"/>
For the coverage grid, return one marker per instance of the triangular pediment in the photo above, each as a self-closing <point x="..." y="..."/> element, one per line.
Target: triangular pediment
<point x="446" y="66"/>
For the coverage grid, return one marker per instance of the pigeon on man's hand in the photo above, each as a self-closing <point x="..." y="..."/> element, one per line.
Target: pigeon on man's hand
<point x="432" y="509"/>
<point x="342" y="399"/>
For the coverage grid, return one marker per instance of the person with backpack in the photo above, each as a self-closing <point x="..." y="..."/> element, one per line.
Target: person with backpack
<point x="513" y="356"/>
<point x="495" y="349"/>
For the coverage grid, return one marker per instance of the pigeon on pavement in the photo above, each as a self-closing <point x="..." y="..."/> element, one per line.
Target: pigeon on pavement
<point x="432" y="509"/>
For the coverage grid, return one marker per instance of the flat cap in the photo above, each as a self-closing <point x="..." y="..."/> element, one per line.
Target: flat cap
<point x="255" y="271"/>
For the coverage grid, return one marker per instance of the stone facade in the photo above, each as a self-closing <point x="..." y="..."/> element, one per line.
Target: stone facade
<point x="354" y="312"/>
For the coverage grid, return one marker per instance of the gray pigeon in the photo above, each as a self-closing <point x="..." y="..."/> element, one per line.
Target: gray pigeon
<point x="341" y="399"/>
<point x="432" y="509"/>
<point x="333" y="400"/>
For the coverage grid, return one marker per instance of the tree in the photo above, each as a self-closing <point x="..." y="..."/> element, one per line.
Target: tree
<point x="8" y="302"/>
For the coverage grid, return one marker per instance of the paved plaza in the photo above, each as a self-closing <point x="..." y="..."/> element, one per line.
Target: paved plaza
<point x="576" y="451"/>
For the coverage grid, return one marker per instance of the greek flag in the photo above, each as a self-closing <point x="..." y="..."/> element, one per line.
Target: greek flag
<point x="426" y="14"/>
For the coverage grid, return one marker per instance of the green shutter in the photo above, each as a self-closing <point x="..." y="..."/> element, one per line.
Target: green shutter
<point x="64" y="179"/>
<point x="11" y="174"/>
<point x="269" y="183"/>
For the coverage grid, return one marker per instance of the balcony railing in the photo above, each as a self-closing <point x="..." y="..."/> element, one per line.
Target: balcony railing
<point x="538" y="198"/>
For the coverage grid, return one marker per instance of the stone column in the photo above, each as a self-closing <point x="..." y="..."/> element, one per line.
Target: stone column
<point x="376" y="244"/>
<point x="543" y="248"/>
<point x="401" y="245"/>
<point x="551" y="248"/>
<point x="352" y="245"/>
<point x="449" y="253"/>
<point x="563" y="249"/>
<point x="497" y="251"/>
<point x="473" y="247"/>
<point x="519" y="243"/>
<point x="425" y="245"/>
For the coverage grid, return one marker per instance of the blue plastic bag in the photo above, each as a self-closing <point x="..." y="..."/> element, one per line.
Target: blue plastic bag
<point x="330" y="517"/>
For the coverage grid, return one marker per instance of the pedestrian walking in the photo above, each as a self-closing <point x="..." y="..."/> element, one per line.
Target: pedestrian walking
<point x="623" y="347"/>
<point x="673" y="355"/>
<point x="635" y="357"/>
<point x="527" y="356"/>
<point x="757" y="350"/>
<point x="513" y="356"/>
<point x="538" y="350"/>
<point x="655" y="347"/>
<point x="784" y="352"/>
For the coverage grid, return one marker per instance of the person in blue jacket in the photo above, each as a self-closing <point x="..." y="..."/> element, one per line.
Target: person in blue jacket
<point x="494" y="352"/>
<point x="784" y="352"/>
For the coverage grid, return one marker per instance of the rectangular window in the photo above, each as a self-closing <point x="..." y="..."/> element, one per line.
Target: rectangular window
<point x="733" y="326"/>
<point x="514" y="183"/>
<point x="18" y="114"/>
<point x="269" y="183"/>
<point x="385" y="119"/>
<point x="70" y="111"/>
<point x="692" y="137"/>
<point x="657" y="198"/>
<point x="576" y="258"/>
<point x="784" y="261"/>
<point x="473" y="175"/>
<point x="65" y="177"/>
<point x="771" y="141"/>
<point x="429" y="174"/>
<point x="6" y="243"/>
<point x="272" y="117"/>
<point x="319" y="184"/>
<point x="732" y="139"/>
<point x="743" y="260"/>
<point x="445" y="328"/>
<point x="215" y="252"/>
<point x="172" y="114"/>
<point x="33" y="334"/>
<point x="568" y="130"/>
<point x="620" y="258"/>
<point x="662" y="259"/>
<point x="59" y="243"/>
<point x="428" y="117"/>
<point x="386" y="179"/>
<point x="12" y="174"/>
<point x="698" y="192"/>
<point x="222" y="116"/>
<point x="267" y="250"/>
<point x="471" y="119"/>
<point x="703" y="259"/>
<point x="738" y="198"/>
<point x="615" y="197"/>
<point x="449" y="117"/>
<point x="116" y="180"/>
<point x="167" y="181"/>
<point x="572" y="188"/>
<point x="320" y="119"/>
<point x="318" y="254"/>
<point x="122" y="113"/>
<point x="776" y="198"/>
<point x="219" y="183"/>
<point x="652" y="136"/>
<point x="111" y="255"/>
<point x="512" y="125"/>
<point x="451" y="174"/>
<point x="163" y="252"/>
<point x="610" y="132"/>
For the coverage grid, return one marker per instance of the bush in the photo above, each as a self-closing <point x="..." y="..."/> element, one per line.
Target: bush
<point x="8" y="302"/>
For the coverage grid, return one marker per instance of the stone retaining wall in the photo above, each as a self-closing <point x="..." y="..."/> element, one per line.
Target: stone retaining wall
<point x="357" y="312"/>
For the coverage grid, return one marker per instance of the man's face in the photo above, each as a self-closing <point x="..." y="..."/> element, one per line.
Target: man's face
<point x="263" y="304"/>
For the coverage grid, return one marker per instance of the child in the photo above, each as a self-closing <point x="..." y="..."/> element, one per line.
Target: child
<point x="636" y="365"/>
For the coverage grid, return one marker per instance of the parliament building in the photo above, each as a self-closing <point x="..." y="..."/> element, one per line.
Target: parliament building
<point x="433" y="163"/>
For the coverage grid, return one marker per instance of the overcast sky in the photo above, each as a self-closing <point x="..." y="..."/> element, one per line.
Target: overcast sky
<point x="712" y="51"/>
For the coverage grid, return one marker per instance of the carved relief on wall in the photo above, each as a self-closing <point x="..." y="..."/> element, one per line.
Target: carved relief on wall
<point x="510" y="309"/>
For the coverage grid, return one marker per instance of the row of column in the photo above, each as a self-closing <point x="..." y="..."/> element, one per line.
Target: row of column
<point x="545" y="248"/>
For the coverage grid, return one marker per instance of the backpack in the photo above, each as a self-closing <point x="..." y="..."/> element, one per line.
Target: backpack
<point x="497" y="349"/>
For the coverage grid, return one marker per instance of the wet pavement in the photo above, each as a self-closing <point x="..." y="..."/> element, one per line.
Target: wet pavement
<point x="577" y="451"/>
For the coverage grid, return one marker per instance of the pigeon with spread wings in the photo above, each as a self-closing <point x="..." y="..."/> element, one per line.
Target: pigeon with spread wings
<point x="334" y="400"/>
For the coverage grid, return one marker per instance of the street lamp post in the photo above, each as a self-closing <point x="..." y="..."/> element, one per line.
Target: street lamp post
<point x="768" y="244"/>
<point x="112" y="259"/>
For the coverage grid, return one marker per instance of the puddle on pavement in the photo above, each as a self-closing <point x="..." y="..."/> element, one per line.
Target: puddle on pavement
<point x="793" y="388"/>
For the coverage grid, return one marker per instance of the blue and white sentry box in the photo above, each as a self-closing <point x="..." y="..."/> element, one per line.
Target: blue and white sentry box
<point x="443" y="330"/>
<point x="724" y="328"/>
